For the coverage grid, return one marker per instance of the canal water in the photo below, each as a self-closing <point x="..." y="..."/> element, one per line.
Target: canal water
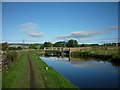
<point x="85" y="73"/>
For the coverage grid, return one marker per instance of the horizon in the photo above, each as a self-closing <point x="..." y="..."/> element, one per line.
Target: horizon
<point x="88" y="23"/>
<point x="59" y="41"/>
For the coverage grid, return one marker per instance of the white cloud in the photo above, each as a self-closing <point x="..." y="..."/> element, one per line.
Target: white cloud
<point x="30" y="29"/>
<point x="85" y="41"/>
<point x="101" y="41"/>
<point x="109" y="40"/>
<point x="83" y="34"/>
<point x="33" y="34"/>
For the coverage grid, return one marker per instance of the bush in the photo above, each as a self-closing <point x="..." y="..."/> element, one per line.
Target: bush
<point x="96" y="54"/>
<point x="9" y="57"/>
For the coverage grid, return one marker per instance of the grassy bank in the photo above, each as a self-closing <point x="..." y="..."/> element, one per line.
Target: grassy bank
<point x="18" y="74"/>
<point x="51" y="78"/>
<point x="110" y="55"/>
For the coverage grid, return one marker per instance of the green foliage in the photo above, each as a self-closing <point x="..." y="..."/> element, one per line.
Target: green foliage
<point x="88" y="45"/>
<point x="59" y="44"/>
<point x="72" y="43"/>
<point x="18" y="75"/>
<point x="11" y="56"/>
<point x="42" y="46"/>
<point x="83" y="45"/>
<point x="48" y="44"/>
<point x="110" y="44"/>
<point x="32" y="46"/>
<point x="5" y="46"/>
<point x="48" y="78"/>
<point x="99" y="54"/>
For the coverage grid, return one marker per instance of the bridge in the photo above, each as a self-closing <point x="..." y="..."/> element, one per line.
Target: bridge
<point x="57" y="50"/>
<point x="64" y="50"/>
<point x="71" y="49"/>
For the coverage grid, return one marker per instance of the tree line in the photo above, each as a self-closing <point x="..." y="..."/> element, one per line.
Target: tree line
<point x="70" y="43"/>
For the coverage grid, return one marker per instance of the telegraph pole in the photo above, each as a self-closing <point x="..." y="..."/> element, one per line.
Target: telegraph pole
<point x="23" y="43"/>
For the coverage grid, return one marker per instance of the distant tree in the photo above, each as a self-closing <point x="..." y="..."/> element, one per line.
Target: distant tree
<point x="19" y="48"/>
<point x="5" y="46"/>
<point x="118" y="44"/>
<point x="48" y="44"/>
<point x="72" y="43"/>
<point x="32" y="46"/>
<point x="60" y="44"/>
<point x="83" y="45"/>
<point x="41" y="46"/>
<point x="0" y="46"/>
<point x="109" y="44"/>
<point x="94" y="44"/>
<point x="113" y="44"/>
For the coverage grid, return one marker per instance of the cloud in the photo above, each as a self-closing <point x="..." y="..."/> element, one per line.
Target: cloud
<point x="85" y="41"/>
<point x="83" y="34"/>
<point x="101" y="41"/>
<point x="33" y="34"/>
<point x="30" y="29"/>
<point x="109" y="40"/>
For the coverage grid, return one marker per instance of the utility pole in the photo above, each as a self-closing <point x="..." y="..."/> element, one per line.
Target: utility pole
<point x="116" y="44"/>
<point x="23" y="43"/>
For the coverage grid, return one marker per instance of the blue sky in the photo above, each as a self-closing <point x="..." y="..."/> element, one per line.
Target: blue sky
<point x="39" y="22"/>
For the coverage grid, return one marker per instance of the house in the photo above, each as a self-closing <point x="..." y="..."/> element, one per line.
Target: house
<point x="16" y="46"/>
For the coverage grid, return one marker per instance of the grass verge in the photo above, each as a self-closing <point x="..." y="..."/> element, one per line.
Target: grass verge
<point x="18" y="74"/>
<point x="47" y="78"/>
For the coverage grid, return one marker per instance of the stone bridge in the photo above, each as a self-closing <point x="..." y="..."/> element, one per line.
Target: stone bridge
<point x="65" y="49"/>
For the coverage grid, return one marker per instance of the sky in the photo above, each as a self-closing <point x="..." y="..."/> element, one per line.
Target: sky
<point x="38" y="22"/>
<point x="60" y="0"/>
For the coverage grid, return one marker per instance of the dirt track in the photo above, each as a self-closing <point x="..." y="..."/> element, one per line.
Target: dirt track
<point x="32" y="83"/>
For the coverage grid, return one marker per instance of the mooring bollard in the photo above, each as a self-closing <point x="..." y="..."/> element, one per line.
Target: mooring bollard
<point x="46" y="68"/>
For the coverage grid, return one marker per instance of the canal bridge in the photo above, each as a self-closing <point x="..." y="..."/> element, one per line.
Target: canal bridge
<point x="57" y="50"/>
<point x="71" y="49"/>
<point x="64" y="50"/>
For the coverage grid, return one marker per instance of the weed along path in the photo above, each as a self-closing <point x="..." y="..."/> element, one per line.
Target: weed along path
<point x="28" y="71"/>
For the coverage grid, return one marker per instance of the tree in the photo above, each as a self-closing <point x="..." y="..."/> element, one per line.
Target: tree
<point x="72" y="43"/>
<point x="32" y="46"/>
<point x="60" y="44"/>
<point x="83" y="45"/>
<point x="48" y="44"/>
<point x="41" y="46"/>
<point x="5" y="46"/>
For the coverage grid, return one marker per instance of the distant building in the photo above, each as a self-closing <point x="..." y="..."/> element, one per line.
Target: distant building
<point x="16" y="46"/>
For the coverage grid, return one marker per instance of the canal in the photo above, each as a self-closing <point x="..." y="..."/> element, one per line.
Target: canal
<point x="85" y="73"/>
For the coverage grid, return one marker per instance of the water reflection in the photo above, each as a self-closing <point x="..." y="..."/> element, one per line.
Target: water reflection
<point x="85" y="73"/>
<point x="71" y="59"/>
<point x="92" y="63"/>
